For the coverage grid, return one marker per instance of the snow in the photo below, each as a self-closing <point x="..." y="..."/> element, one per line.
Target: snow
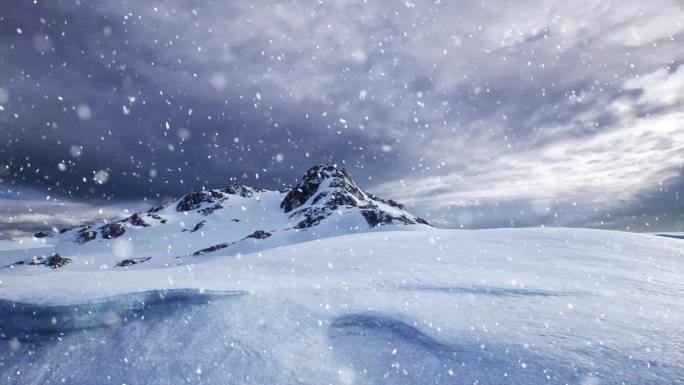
<point x="428" y="306"/>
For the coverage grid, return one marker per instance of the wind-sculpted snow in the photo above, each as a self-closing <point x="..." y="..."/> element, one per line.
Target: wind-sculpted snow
<point x="379" y="349"/>
<point x="26" y="320"/>
<point x="428" y="306"/>
<point x="489" y="291"/>
<point x="159" y="337"/>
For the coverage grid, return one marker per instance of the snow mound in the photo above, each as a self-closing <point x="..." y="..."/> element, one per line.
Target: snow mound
<point x="523" y="306"/>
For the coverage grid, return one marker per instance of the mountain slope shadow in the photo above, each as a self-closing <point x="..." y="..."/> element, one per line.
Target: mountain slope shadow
<point x="489" y="291"/>
<point x="177" y="336"/>
<point x="378" y="349"/>
<point x="26" y="321"/>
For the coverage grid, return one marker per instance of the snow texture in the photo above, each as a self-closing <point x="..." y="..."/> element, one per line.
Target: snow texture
<point x="339" y="302"/>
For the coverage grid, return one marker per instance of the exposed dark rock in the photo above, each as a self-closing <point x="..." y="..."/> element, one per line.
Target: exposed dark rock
<point x="235" y="220"/>
<point x="198" y="226"/>
<point x="194" y="200"/>
<point x="243" y="191"/>
<point x="35" y="261"/>
<point x="163" y="221"/>
<point x="56" y="261"/>
<point x="342" y="188"/>
<point x="259" y="234"/>
<point x="137" y="220"/>
<point x="132" y="261"/>
<point x="156" y="209"/>
<point x="341" y="199"/>
<point x="85" y="235"/>
<point x="348" y="186"/>
<point x="423" y="221"/>
<point x="319" y="196"/>
<point x="113" y="230"/>
<point x="312" y="217"/>
<point x="390" y="202"/>
<point x="326" y="189"/>
<point x="64" y="230"/>
<point x="208" y="210"/>
<point x="299" y="195"/>
<point x="211" y="249"/>
<point x="310" y="183"/>
<point x="396" y="204"/>
<point x="404" y="220"/>
<point x="41" y="234"/>
<point x="375" y="217"/>
<point x="154" y="216"/>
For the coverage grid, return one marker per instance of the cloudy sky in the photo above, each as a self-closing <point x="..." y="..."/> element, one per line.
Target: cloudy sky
<point x="475" y="114"/>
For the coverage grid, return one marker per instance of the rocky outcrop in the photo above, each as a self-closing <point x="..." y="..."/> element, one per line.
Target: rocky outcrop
<point x="54" y="261"/>
<point x="195" y="200"/>
<point x="212" y="249"/>
<point x="85" y="235"/>
<point x="113" y="230"/>
<point x="259" y="234"/>
<point x="208" y="210"/>
<point x="64" y="230"/>
<point x="241" y="190"/>
<point x="341" y="190"/>
<point x="132" y="261"/>
<point x="197" y="226"/>
<point x="137" y="220"/>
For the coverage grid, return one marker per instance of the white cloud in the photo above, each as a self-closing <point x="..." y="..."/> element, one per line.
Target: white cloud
<point x="25" y="216"/>
<point x="608" y="169"/>
<point x="660" y="88"/>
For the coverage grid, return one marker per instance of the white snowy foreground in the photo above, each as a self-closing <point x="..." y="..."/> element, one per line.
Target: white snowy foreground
<point x="424" y="306"/>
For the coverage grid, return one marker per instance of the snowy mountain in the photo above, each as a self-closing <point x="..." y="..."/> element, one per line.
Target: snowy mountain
<point x="327" y="284"/>
<point x="234" y="220"/>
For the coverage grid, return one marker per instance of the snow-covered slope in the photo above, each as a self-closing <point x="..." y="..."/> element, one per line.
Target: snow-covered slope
<point x="206" y="224"/>
<point x="424" y="306"/>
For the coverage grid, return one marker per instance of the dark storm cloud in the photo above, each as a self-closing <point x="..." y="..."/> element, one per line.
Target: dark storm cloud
<point x="493" y="108"/>
<point x="154" y="103"/>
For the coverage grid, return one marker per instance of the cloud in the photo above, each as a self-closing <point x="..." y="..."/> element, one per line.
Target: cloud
<point x="26" y="213"/>
<point x="470" y="104"/>
<point x="661" y="88"/>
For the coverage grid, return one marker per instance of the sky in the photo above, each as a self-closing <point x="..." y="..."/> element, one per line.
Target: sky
<point x="473" y="114"/>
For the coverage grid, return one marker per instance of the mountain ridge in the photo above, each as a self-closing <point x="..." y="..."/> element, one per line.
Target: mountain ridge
<point x="236" y="219"/>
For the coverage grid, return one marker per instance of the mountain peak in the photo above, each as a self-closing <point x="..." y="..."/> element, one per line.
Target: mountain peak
<point x="326" y="170"/>
<point x="318" y="183"/>
<point x="325" y="189"/>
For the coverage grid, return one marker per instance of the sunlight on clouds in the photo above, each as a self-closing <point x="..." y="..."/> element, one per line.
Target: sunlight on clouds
<point x="659" y="88"/>
<point x="20" y="218"/>
<point x="609" y="168"/>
